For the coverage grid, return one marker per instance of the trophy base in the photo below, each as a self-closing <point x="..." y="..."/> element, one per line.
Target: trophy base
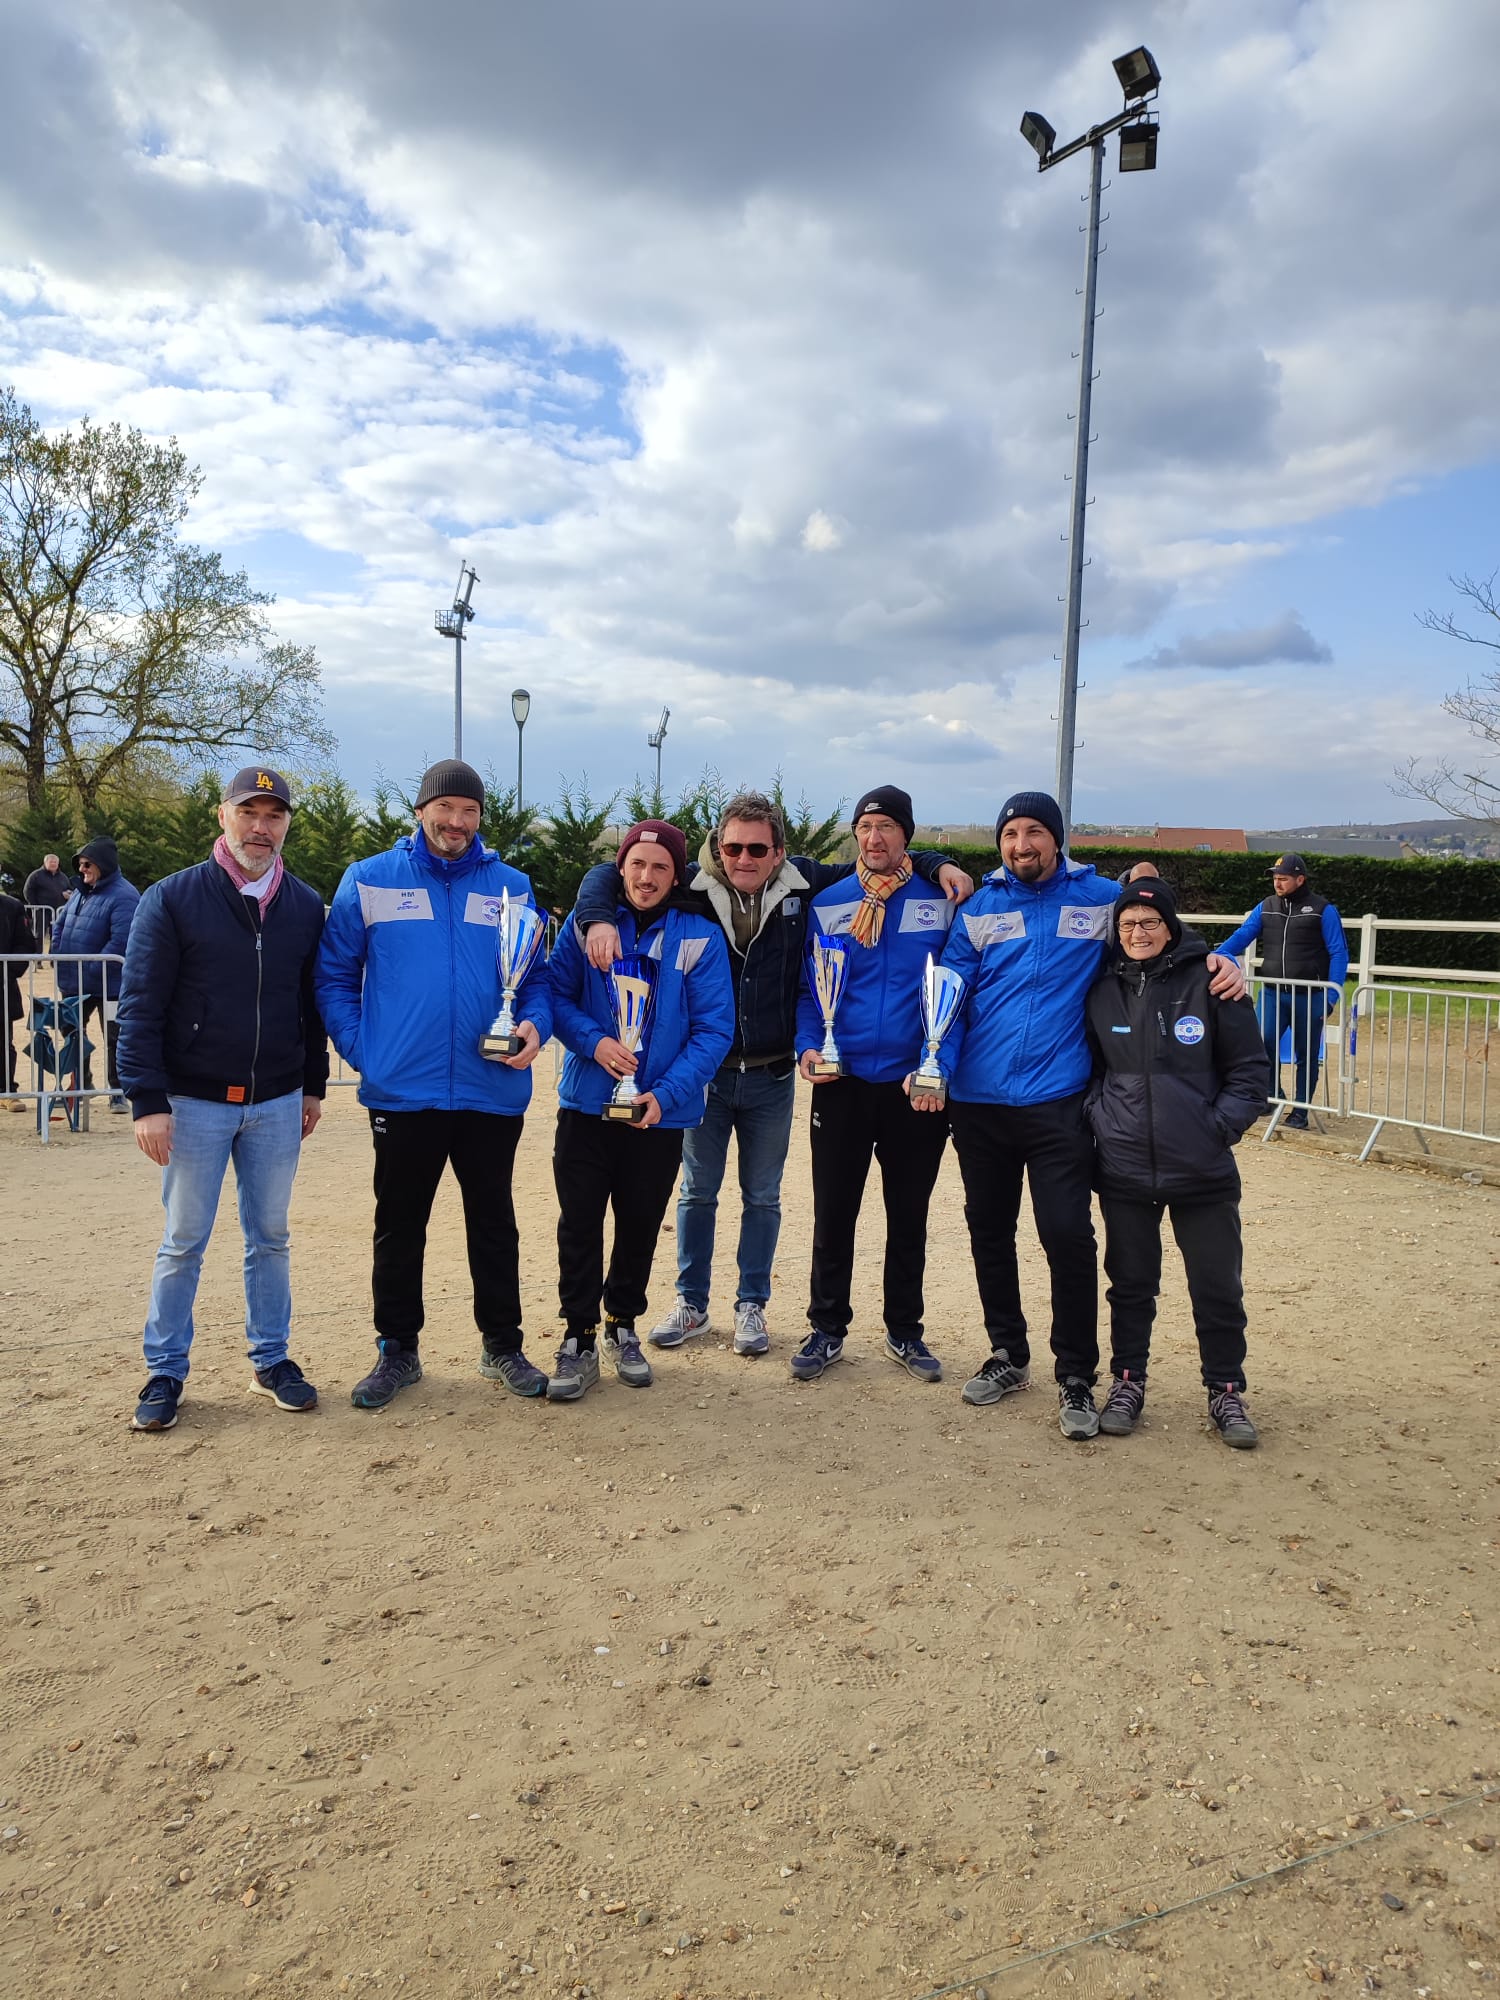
<point x="625" y="1114"/>
<point x="934" y="1092"/>
<point x="495" y="1048"/>
<point x="820" y="1066"/>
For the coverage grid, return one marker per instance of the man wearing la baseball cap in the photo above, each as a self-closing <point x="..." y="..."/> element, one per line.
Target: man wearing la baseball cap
<point x="223" y="1056"/>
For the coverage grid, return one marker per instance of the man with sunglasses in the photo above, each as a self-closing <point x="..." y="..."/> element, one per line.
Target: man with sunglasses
<point x="759" y="895"/>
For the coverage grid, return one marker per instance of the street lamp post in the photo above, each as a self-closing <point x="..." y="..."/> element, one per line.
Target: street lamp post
<point x="520" y="708"/>
<point x="654" y="742"/>
<point x="451" y="624"/>
<point x="1139" y="79"/>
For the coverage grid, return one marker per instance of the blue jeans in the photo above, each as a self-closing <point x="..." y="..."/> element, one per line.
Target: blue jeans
<point x="1302" y="1009"/>
<point x="265" y="1143"/>
<point x="757" y="1108"/>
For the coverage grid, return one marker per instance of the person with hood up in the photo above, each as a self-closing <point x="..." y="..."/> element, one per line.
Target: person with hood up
<point x="97" y="921"/>
<point x="1180" y="1075"/>
<point x="760" y="896"/>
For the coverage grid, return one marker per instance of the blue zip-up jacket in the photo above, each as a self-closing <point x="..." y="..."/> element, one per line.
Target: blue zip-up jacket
<point x="1028" y="954"/>
<point x="217" y="995"/>
<point x="878" y="1026"/>
<point x="689" y="1028"/>
<point x="408" y="983"/>
<point x="95" y="920"/>
<point x="1330" y="925"/>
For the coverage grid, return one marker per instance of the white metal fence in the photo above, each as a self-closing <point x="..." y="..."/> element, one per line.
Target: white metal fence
<point x="56" y="1034"/>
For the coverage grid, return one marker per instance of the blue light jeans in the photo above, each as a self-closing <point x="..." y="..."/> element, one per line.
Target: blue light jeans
<point x="265" y="1143"/>
<point x="756" y="1108"/>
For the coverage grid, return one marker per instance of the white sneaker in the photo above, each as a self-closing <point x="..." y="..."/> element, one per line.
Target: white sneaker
<point x="682" y="1323"/>
<point x="750" y="1335"/>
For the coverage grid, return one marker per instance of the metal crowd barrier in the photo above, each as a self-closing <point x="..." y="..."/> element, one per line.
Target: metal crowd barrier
<point x="1422" y="1057"/>
<point x="64" y="1045"/>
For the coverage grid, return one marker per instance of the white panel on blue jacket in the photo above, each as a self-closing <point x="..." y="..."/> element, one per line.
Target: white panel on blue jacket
<point x="390" y="906"/>
<point x="689" y="952"/>
<point x="996" y="927"/>
<point x="1084" y="920"/>
<point x="831" y="918"/>
<point x="925" y="913"/>
<point x="486" y="909"/>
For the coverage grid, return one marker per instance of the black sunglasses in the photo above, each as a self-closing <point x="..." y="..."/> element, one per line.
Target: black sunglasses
<point x="756" y="849"/>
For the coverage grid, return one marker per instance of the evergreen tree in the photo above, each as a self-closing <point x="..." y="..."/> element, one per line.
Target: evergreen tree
<point x="569" y="846"/>
<point x="384" y="823"/>
<point x="327" y="833"/>
<point x="817" y="839"/>
<point x="506" y="825"/>
<point x="45" y="828"/>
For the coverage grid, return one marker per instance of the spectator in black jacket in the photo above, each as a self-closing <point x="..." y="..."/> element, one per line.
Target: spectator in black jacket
<point x="224" y="1057"/>
<point x="96" y="922"/>
<point x="1179" y="1077"/>
<point x="16" y="936"/>
<point x="47" y="889"/>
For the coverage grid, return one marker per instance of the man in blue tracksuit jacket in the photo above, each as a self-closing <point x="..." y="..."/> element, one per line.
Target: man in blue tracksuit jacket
<point x="1029" y="944"/>
<point x="888" y="923"/>
<point x="408" y="984"/>
<point x="225" y="1059"/>
<point x="97" y="919"/>
<point x="1302" y="949"/>
<point x="630" y="1168"/>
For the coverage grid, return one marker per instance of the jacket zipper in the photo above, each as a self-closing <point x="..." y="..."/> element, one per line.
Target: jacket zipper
<point x="259" y="969"/>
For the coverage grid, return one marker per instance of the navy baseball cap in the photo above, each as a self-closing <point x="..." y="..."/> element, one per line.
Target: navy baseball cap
<point x="257" y="781"/>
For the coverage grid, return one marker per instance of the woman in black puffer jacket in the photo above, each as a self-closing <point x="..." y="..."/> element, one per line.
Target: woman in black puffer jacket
<point x="1179" y="1077"/>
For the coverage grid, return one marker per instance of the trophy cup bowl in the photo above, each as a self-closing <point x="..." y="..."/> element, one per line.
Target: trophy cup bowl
<point x="632" y="982"/>
<point x="830" y="969"/>
<point x="519" y="930"/>
<point x="942" y="996"/>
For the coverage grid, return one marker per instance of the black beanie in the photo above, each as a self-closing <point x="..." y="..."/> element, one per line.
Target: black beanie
<point x="890" y="800"/>
<point x="452" y="779"/>
<point x="1040" y="806"/>
<point x="1152" y="893"/>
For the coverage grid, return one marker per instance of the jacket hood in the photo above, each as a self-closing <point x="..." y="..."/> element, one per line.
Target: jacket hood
<point x="102" y="851"/>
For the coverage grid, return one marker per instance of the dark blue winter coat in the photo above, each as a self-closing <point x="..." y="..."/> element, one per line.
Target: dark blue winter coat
<point x="217" y="998"/>
<point x="96" y="920"/>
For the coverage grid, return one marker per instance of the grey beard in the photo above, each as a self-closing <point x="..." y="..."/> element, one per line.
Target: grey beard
<point x="254" y="861"/>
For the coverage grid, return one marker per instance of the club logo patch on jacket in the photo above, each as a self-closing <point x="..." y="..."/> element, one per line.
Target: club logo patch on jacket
<point x="1188" y="1030"/>
<point x="1084" y="920"/>
<point x="924" y="913"/>
<point x="995" y="927"/>
<point x="388" y="906"/>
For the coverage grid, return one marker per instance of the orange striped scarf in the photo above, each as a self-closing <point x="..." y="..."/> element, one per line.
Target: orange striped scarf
<point x="869" y="918"/>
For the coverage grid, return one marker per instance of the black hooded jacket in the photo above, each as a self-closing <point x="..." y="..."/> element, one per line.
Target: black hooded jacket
<point x="1179" y="1075"/>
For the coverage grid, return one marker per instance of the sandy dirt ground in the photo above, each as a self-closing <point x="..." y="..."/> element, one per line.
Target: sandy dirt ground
<point x="736" y="1687"/>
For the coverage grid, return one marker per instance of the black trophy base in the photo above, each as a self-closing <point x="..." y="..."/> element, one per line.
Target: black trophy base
<point x="495" y="1048"/>
<point x="625" y="1114"/>
<point x="931" y="1090"/>
<point x="820" y="1066"/>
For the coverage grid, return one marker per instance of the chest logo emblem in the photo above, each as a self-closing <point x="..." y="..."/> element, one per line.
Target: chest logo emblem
<point x="1188" y="1030"/>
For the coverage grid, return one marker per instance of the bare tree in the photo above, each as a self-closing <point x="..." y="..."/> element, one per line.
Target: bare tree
<point x="1466" y="794"/>
<point x="117" y="638"/>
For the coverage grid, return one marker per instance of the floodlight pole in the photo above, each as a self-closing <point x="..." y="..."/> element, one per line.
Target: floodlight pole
<point x="654" y="742"/>
<point x="1067" y="696"/>
<point x="451" y="624"/>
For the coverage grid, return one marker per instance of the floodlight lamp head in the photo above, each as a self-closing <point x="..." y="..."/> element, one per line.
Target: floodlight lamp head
<point x="1038" y="134"/>
<point x="520" y="705"/>
<point x="1138" y="74"/>
<point x="1138" y="147"/>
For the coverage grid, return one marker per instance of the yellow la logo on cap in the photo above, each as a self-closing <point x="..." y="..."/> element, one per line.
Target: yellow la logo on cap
<point x="264" y="782"/>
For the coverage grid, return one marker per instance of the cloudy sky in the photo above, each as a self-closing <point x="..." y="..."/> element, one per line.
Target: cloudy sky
<point x="733" y="346"/>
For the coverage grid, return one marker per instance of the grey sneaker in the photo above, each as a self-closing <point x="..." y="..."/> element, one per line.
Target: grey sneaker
<point x="521" y="1376"/>
<point x="750" y="1335"/>
<point x="1076" y="1414"/>
<point x="998" y="1377"/>
<point x="397" y="1369"/>
<point x="1123" y="1405"/>
<point x="916" y="1357"/>
<point x="577" y="1372"/>
<point x="683" y="1322"/>
<point x="1231" y="1418"/>
<point x="623" y="1352"/>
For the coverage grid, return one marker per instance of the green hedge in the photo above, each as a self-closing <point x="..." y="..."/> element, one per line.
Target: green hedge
<point x="1357" y="884"/>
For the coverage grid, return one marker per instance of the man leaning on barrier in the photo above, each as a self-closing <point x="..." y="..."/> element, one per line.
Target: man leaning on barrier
<point x="224" y="1058"/>
<point x="1301" y="945"/>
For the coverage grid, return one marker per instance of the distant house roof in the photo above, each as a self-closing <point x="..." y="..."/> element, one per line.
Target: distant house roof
<point x="1215" y="839"/>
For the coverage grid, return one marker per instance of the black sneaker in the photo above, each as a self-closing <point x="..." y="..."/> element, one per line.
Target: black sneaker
<point x="521" y="1376"/>
<point x="1123" y="1405"/>
<point x="157" y="1409"/>
<point x="397" y="1368"/>
<point x="288" y="1387"/>
<point x="1076" y="1414"/>
<point x="1295" y="1121"/>
<point x="998" y="1377"/>
<point x="1231" y="1419"/>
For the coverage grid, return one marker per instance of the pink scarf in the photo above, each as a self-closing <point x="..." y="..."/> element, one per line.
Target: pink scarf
<point x="239" y="878"/>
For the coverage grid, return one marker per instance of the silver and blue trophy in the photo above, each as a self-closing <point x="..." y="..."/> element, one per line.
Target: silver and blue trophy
<point x="632" y="985"/>
<point x="830" y="970"/>
<point x="942" y="996"/>
<point x="519" y="930"/>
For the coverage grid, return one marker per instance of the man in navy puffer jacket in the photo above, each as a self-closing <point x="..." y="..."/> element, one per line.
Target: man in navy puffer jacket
<point x="97" y="919"/>
<point x="224" y="1058"/>
<point x="408" y="984"/>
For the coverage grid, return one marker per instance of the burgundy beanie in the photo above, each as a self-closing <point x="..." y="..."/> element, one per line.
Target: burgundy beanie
<point x="666" y="835"/>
